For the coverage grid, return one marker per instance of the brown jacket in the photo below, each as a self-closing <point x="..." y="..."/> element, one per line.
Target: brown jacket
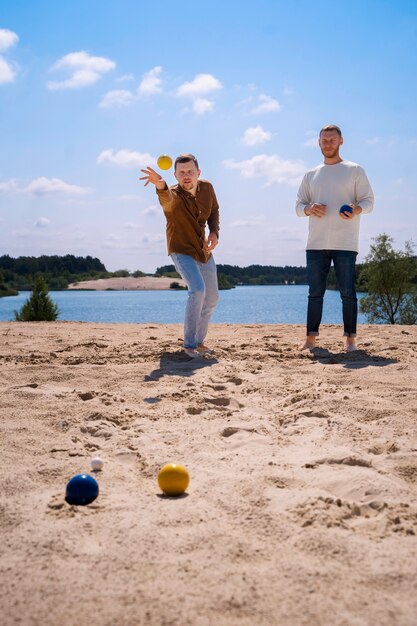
<point x="187" y="216"/>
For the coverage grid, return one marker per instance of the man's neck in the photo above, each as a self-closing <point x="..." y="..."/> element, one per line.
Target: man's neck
<point x="333" y="160"/>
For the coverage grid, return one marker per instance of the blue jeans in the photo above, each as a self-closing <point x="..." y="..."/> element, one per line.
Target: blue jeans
<point x="203" y="295"/>
<point x="318" y="267"/>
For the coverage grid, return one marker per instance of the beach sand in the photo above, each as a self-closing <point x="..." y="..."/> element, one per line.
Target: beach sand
<point x="128" y="283"/>
<point x="302" y="503"/>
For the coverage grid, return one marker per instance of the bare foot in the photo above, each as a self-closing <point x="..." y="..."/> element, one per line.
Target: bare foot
<point x="351" y="346"/>
<point x="202" y="349"/>
<point x="310" y="343"/>
<point x="191" y="353"/>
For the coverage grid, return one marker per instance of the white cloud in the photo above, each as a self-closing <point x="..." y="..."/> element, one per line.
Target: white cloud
<point x="44" y="186"/>
<point x="42" y="222"/>
<point x="8" y="39"/>
<point x="255" y="136"/>
<point x="201" y="85"/>
<point x="131" y="225"/>
<point x="8" y="185"/>
<point x="272" y="167"/>
<point x="202" y="105"/>
<point x="125" y="78"/>
<point x="116" y="98"/>
<point x="125" y="158"/>
<point x="151" y="210"/>
<point x="7" y="73"/>
<point x="84" y="68"/>
<point x="267" y="105"/>
<point x="151" y="83"/>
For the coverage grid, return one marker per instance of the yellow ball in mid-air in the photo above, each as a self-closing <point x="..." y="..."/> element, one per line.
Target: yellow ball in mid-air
<point x="173" y="479"/>
<point x="164" y="162"/>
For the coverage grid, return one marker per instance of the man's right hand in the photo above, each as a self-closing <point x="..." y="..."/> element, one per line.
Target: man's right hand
<point x="315" y="209"/>
<point x="152" y="177"/>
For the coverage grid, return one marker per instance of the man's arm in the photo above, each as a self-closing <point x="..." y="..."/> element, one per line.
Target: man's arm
<point x="162" y="189"/>
<point x="363" y="192"/>
<point x="304" y="207"/>
<point x="364" y="197"/>
<point x="213" y="223"/>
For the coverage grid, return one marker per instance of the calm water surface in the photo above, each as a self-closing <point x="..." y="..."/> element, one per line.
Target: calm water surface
<point x="278" y="304"/>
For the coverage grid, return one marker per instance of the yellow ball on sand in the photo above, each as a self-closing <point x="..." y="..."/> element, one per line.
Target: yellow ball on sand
<point x="164" y="162"/>
<point x="173" y="479"/>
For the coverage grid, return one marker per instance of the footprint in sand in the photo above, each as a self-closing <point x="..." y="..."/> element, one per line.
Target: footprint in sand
<point x="97" y="430"/>
<point x="235" y="380"/>
<point x="232" y="430"/>
<point x="244" y="434"/>
<point x="344" y="460"/>
<point x="375" y="517"/>
<point x="154" y="400"/>
<point x="224" y="402"/>
<point x="87" y="395"/>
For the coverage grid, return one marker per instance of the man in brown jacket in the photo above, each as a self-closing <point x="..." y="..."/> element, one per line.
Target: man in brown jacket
<point x="189" y="207"/>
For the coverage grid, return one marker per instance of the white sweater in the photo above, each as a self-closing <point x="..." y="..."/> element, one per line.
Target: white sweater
<point x="334" y="185"/>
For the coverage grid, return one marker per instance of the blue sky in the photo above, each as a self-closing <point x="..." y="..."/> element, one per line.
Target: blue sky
<point x="90" y="91"/>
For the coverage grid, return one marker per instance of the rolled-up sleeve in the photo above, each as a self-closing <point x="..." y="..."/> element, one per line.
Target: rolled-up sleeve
<point x="166" y="199"/>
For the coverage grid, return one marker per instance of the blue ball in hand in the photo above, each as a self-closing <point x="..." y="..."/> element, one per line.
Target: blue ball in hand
<point x="345" y="208"/>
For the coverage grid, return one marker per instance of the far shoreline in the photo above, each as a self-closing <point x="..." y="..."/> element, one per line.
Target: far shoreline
<point x="127" y="283"/>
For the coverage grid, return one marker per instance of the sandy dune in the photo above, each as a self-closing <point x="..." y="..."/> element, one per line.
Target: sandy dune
<point x="128" y="283"/>
<point x="302" y="504"/>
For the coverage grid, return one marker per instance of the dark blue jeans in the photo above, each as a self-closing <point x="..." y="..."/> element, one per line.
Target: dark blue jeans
<point x="318" y="267"/>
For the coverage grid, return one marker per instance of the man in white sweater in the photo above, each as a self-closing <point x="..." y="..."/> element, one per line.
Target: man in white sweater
<point x="333" y="196"/>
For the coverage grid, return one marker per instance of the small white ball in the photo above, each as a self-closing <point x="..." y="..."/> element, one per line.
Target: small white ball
<point x="96" y="463"/>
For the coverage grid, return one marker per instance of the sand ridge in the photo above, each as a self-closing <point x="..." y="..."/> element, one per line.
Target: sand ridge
<point x="128" y="283"/>
<point x="302" y="504"/>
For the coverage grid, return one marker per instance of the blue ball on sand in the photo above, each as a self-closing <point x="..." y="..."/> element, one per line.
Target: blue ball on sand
<point x="345" y="208"/>
<point x="82" y="489"/>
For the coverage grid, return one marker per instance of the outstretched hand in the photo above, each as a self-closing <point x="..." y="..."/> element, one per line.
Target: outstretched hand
<point x="151" y="176"/>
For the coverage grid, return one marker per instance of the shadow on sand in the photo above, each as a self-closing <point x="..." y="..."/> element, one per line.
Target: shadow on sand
<point x="350" y="360"/>
<point x="179" y="364"/>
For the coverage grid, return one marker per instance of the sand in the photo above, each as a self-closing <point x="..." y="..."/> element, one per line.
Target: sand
<point x="128" y="283"/>
<point x="302" y="504"/>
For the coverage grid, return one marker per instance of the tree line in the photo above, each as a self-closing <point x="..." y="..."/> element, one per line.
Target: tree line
<point x="18" y="274"/>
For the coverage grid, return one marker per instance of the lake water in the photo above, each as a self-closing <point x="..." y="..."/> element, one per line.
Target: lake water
<point x="278" y="304"/>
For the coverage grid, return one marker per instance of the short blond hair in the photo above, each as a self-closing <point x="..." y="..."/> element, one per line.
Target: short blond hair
<point x="331" y="127"/>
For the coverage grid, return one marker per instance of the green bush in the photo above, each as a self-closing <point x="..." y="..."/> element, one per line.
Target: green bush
<point x="389" y="277"/>
<point x="223" y="281"/>
<point x="39" y="307"/>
